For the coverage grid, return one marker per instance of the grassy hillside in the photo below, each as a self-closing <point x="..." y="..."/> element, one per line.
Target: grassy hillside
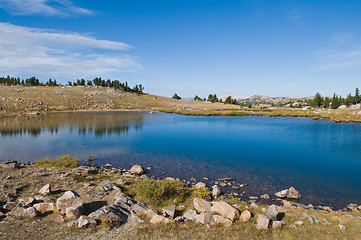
<point x="20" y="99"/>
<point x="15" y="100"/>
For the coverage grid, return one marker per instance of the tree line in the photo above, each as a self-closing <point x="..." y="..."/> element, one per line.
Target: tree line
<point x="33" y="81"/>
<point x="335" y="101"/>
<point x="213" y="98"/>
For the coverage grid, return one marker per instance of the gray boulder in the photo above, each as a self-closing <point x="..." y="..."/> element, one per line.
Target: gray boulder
<point x="110" y="215"/>
<point x="169" y="211"/>
<point x="69" y="199"/>
<point x="263" y="222"/>
<point x="86" y="222"/>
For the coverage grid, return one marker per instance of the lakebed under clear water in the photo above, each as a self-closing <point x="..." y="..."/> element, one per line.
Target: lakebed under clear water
<point x="319" y="158"/>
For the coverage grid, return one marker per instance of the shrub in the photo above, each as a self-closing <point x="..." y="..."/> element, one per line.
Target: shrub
<point x="201" y="193"/>
<point x="62" y="161"/>
<point x="161" y="192"/>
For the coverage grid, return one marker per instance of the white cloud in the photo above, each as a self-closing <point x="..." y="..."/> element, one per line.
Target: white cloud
<point x="56" y="54"/>
<point x="43" y="7"/>
<point x="338" y="59"/>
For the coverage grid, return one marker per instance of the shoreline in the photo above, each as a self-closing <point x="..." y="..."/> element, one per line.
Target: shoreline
<point x="119" y="189"/>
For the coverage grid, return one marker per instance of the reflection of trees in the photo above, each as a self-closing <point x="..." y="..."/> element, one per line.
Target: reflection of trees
<point x="99" y="124"/>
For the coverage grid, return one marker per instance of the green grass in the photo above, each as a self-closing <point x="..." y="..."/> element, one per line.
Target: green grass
<point x="63" y="162"/>
<point x="159" y="193"/>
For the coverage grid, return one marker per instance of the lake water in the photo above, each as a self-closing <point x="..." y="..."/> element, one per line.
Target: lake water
<point x="319" y="158"/>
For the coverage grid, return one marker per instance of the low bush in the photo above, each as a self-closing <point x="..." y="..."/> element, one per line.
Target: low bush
<point x="161" y="192"/>
<point x="64" y="161"/>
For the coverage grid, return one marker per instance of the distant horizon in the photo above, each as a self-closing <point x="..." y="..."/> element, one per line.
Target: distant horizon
<point x="238" y="48"/>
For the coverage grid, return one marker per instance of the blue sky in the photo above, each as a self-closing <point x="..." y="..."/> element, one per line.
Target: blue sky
<point x="240" y="48"/>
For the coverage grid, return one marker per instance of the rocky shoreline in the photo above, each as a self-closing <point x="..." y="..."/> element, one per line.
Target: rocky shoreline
<point x="96" y="197"/>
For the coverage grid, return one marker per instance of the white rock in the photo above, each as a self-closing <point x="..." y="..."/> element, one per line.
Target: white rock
<point x="137" y="169"/>
<point x="45" y="190"/>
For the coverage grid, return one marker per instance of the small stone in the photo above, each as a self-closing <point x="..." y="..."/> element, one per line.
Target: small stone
<point x="41" y="199"/>
<point x="29" y="212"/>
<point x="205" y="218"/>
<point x="253" y="198"/>
<point x="222" y="221"/>
<point x="45" y="190"/>
<point x="223" y="184"/>
<point x="290" y="193"/>
<point x="44" y="207"/>
<point x="245" y="216"/>
<point x="10" y="206"/>
<point x="27" y="202"/>
<point x="201" y="205"/>
<point x="119" y="181"/>
<point x="179" y="219"/>
<point x="264" y="210"/>
<point x="106" y="186"/>
<point x="282" y="194"/>
<point x="287" y="204"/>
<point x="216" y="192"/>
<point x="276" y="224"/>
<point x="149" y="214"/>
<point x="72" y="223"/>
<point x="253" y="205"/>
<point x="200" y="185"/>
<point x="190" y="215"/>
<point x="263" y="222"/>
<point x="86" y="222"/>
<point x="159" y="219"/>
<point x="265" y="196"/>
<point x="136" y="169"/>
<point x="342" y="227"/>
<point x="312" y="219"/>
<point x="169" y="211"/>
<point x="58" y="219"/>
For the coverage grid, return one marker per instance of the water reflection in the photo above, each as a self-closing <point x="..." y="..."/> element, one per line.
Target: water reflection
<point x="98" y="124"/>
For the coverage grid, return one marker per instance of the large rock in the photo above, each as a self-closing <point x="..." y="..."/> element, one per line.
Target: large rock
<point x="216" y="192"/>
<point x="74" y="211"/>
<point x="86" y="222"/>
<point x="149" y="214"/>
<point x="290" y="193"/>
<point x="169" y="211"/>
<point x="272" y="212"/>
<point x="293" y="193"/>
<point x="205" y="218"/>
<point x="159" y="219"/>
<point x="69" y="199"/>
<point x="263" y="222"/>
<point x="45" y="190"/>
<point x="282" y="194"/>
<point x="44" y="207"/>
<point x="110" y="215"/>
<point x="201" y="205"/>
<point x="225" y="210"/>
<point x="190" y="215"/>
<point x="136" y="169"/>
<point x="27" y="202"/>
<point x="222" y="221"/>
<point x="29" y="212"/>
<point x="139" y="207"/>
<point x="245" y="216"/>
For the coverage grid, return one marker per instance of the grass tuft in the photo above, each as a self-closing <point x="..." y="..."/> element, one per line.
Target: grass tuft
<point x="63" y="161"/>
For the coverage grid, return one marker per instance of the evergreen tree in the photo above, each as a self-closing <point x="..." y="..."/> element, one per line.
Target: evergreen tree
<point x="175" y="96"/>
